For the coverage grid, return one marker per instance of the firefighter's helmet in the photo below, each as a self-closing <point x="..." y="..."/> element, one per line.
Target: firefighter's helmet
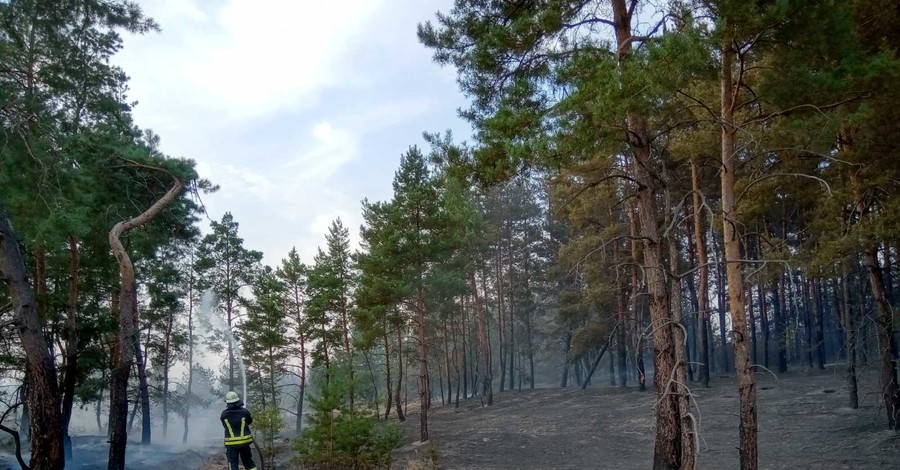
<point x="232" y="397"/>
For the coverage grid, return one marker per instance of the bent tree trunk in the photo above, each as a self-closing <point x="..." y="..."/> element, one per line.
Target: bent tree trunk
<point x="127" y="338"/>
<point x="43" y="388"/>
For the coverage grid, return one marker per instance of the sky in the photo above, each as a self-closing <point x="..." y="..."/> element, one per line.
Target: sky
<point x="298" y="109"/>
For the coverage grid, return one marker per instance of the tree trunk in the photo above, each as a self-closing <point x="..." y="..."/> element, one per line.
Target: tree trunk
<point x="71" y="351"/>
<point x="703" y="270"/>
<point x="424" y="395"/>
<point x="127" y="339"/>
<point x="456" y="359"/>
<point x="732" y="247"/>
<point x="723" y="302"/>
<point x="889" y="389"/>
<point x="190" y="362"/>
<point x="345" y="327"/>
<point x="849" y="335"/>
<point x="487" y="387"/>
<point x="593" y="368"/>
<point x="671" y="449"/>
<point x="511" y="323"/>
<point x="99" y="403"/>
<point x="565" y="375"/>
<point x="465" y="351"/>
<point x="749" y="289"/>
<point x="301" y="336"/>
<point x="165" y="371"/>
<point x="764" y="323"/>
<point x="387" y="375"/>
<point x="819" y="316"/>
<point x="780" y="335"/>
<point x="638" y="313"/>
<point x="807" y="320"/>
<point x="531" y="348"/>
<point x="622" y="305"/>
<point x="43" y="388"/>
<point x="501" y="316"/>
<point x="688" y="426"/>
<point x="143" y="386"/>
<point x="401" y="416"/>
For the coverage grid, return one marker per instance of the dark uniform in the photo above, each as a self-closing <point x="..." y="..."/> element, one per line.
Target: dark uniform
<point x="236" y="420"/>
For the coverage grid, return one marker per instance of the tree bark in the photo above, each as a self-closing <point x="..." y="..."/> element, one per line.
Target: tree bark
<point x="593" y="368"/>
<point x="401" y="416"/>
<point x="143" y="386"/>
<point x="764" y="323"/>
<point x="638" y="313"/>
<point x="622" y="305"/>
<point x="568" y="346"/>
<point x="721" y="292"/>
<point x="703" y="270"/>
<point x="127" y="338"/>
<point x="487" y="388"/>
<point x="387" y="376"/>
<point x="819" y="316"/>
<point x="465" y="350"/>
<point x="43" y="388"/>
<point x="424" y="395"/>
<point x="752" y="313"/>
<point x="889" y="388"/>
<point x="780" y="335"/>
<point x="190" y="362"/>
<point x="669" y="450"/>
<point x="71" y="351"/>
<point x="807" y="320"/>
<point x="501" y="316"/>
<point x="688" y="426"/>
<point x="732" y="248"/>
<point x="849" y="335"/>
<point x="167" y="354"/>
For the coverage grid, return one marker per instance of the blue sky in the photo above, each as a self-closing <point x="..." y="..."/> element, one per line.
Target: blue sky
<point x="298" y="109"/>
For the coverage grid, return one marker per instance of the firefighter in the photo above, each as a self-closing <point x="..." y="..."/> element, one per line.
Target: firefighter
<point x="236" y="420"/>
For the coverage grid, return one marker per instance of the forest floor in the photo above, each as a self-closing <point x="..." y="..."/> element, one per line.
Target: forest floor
<point x="804" y="423"/>
<point x="91" y="453"/>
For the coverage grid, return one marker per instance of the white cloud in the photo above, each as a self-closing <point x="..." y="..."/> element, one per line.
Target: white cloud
<point x="333" y="148"/>
<point x="298" y="109"/>
<point x="251" y="58"/>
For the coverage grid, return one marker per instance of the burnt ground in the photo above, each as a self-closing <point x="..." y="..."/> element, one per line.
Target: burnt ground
<point x="804" y="423"/>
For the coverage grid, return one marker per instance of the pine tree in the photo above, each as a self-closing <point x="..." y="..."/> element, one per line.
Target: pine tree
<point x="293" y="273"/>
<point x="226" y="267"/>
<point x="264" y="337"/>
<point x="330" y="286"/>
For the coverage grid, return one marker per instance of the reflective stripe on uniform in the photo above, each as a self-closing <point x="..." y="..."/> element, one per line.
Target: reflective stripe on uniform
<point x="240" y="439"/>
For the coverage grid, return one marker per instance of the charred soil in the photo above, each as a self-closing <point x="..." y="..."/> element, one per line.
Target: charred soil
<point x="804" y="423"/>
